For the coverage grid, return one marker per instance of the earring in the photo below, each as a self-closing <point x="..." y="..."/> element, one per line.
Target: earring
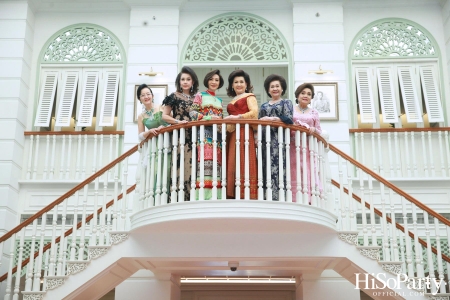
<point x="246" y="90"/>
<point x="232" y="89"/>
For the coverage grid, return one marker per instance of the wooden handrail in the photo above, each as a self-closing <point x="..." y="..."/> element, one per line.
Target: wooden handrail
<point x="67" y="233"/>
<point x="397" y="225"/>
<point x="391" y="186"/>
<point x="73" y="133"/>
<point x="370" y="130"/>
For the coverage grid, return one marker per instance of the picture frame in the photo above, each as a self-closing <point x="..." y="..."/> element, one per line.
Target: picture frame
<point x="159" y="93"/>
<point x="325" y="100"/>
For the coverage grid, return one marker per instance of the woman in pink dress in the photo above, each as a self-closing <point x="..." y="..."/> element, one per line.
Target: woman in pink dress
<point x="308" y="117"/>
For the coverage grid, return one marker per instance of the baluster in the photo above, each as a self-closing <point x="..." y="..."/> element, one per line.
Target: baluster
<point x="52" y="159"/>
<point x="447" y="151"/>
<point x="152" y="175"/>
<point x="115" y="220"/>
<point x="73" y="245"/>
<point x="441" y="155"/>
<point x="351" y="204"/>
<point x="36" y="157"/>
<point x="12" y="245"/>
<point x="78" y="162"/>
<point x="439" y="255"/>
<point x="30" y="268"/>
<point x="63" y="156"/>
<point x="363" y="208"/>
<point x="84" y="167"/>
<point x="372" y="212"/>
<point x="47" y="157"/>
<point x="407" y="161"/>
<point x="61" y="254"/>
<point x="298" y="194"/>
<point x="384" y="224"/>
<point x="39" y="259"/>
<point x="215" y="163"/>
<point x="394" y="242"/>
<point x="19" y="266"/>
<point x="124" y="192"/>
<point x="111" y="158"/>
<point x="238" y="162"/>
<point x="94" y="221"/>
<point x="94" y="162"/>
<point x="224" y="161"/>
<point x="397" y="154"/>
<point x="380" y="159"/>
<point x="173" y="194"/>
<point x="137" y="204"/>
<point x="159" y="171"/>
<point x="268" y="167"/>
<point x="194" y="164"/>
<point x="430" y="147"/>
<point x="83" y="224"/>
<point x="357" y="153"/>
<point x="363" y="154"/>
<point x="409" y="260"/>
<point x="414" y="156"/>
<point x="374" y="156"/>
<point x="144" y="179"/>
<point x="201" y="195"/>
<point x="424" y="154"/>
<point x="312" y="170"/>
<point x="100" y="156"/>
<point x="182" y="145"/>
<point x="402" y="254"/>
<point x="69" y="157"/>
<point x="53" y="249"/>
<point x="166" y="142"/>
<point x="391" y="163"/>
<point x="281" y="167"/>
<point x="323" y="198"/>
<point x="343" y="209"/>
<point x="417" y="246"/>
<point x="30" y="157"/>
<point x="46" y="262"/>
<point x="102" y="235"/>
<point x="431" y="273"/>
<point x="246" y="163"/>
<point x="260" y="166"/>
<point x="304" y="166"/>
<point x="287" y="161"/>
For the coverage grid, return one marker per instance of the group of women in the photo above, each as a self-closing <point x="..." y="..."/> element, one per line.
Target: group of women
<point x="187" y="104"/>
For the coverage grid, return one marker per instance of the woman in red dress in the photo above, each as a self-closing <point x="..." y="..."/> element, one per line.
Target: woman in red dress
<point x="243" y="106"/>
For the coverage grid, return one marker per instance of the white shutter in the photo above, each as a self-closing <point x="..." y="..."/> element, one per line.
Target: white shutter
<point x="409" y="94"/>
<point x="109" y="99"/>
<point x="365" y="95"/>
<point x="387" y="95"/>
<point x="88" y="96"/>
<point x="46" y="99"/>
<point x="431" y="94"/>
<point x="67" y="99"/>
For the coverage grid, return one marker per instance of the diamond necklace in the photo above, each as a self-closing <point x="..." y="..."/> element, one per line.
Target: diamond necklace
<point x="186" y="96"/>
<point x="303" y="109"/>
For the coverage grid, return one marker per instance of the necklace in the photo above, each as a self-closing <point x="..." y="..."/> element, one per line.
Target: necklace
<point x="303" y="110"/>
<point x="186" y="96"/>
<point x="149" y="112"/>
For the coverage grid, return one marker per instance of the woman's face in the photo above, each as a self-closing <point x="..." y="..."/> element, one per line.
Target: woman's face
<point x="213" y="83"/>
<point x="304" y="98"/>
<point x="146" y="96"/>
<point x="186" y="81"/>
<point x="239" y="85"/>
<point x="275" y="89"/>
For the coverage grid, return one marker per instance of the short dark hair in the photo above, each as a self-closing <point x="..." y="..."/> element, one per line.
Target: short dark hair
<point x="238" y="73"/>
<point x="301" y="87"/>
<point x="275" y="77"/>
<point x="210" y="75"/>
<point x="139" y="90"/>
<point x="190" y="72"/>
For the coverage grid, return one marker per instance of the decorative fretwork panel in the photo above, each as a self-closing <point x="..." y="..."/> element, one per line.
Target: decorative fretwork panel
<point x="83" y="44"/>
<point x="394" y="38"/>
<point x="235" y="38"/>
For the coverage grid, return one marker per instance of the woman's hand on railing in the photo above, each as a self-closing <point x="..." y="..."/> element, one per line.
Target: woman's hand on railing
<point x="272" y="119"/>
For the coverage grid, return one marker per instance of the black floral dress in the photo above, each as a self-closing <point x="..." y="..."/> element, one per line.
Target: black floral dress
<point x="282" y="108"/>
<point x="180" y="111"/>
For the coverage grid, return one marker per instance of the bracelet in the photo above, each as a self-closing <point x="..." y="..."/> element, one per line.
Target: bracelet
<point x="176" y="121"/>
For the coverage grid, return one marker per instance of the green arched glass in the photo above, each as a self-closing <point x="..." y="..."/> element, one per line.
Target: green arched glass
<point x="235" y="38"/>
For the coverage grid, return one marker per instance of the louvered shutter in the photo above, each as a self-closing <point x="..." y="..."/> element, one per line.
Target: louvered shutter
<point x="431" y="94"/>
<point x="409" y="94"/>
<point x="387" y="95"/>
<point x="46" y="99"/>
<point x="67" y="99"/>
<point x="109" y="99"/>
<point x="365" y="95"/>
<point x="88" y="96"/>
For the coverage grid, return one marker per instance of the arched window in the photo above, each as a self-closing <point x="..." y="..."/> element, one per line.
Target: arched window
<point x="80" y="68"/>
<point x="395" y="70"/>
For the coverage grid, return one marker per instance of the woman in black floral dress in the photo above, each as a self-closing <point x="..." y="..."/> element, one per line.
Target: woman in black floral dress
<point x="177" y="107"/>
<point x="277" y="109"/>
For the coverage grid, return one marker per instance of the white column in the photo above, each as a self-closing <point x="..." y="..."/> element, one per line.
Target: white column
<point x="144" y="283"/>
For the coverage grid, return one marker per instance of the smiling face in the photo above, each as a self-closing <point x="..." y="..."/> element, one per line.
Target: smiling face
<point x="146" y="97"/>
<point x="239" y="85"/>
<point x="213" y="83"/>
<point x="186" y="82"/>
<point x="304" y="98"/>
<point x="275" y="89"/>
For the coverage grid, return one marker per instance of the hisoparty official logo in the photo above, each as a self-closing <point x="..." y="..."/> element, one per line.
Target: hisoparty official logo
<point x="380" y="281"/>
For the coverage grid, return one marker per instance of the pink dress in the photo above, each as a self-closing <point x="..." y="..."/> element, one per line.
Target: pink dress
<point x="308" y="119"/>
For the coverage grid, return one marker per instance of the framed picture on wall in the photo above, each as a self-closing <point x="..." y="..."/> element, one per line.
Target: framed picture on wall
<point x="159" y="93"/>
<point x="325" y="100"/>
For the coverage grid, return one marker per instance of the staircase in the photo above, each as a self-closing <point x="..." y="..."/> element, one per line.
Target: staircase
<point x="137" y="227"/>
